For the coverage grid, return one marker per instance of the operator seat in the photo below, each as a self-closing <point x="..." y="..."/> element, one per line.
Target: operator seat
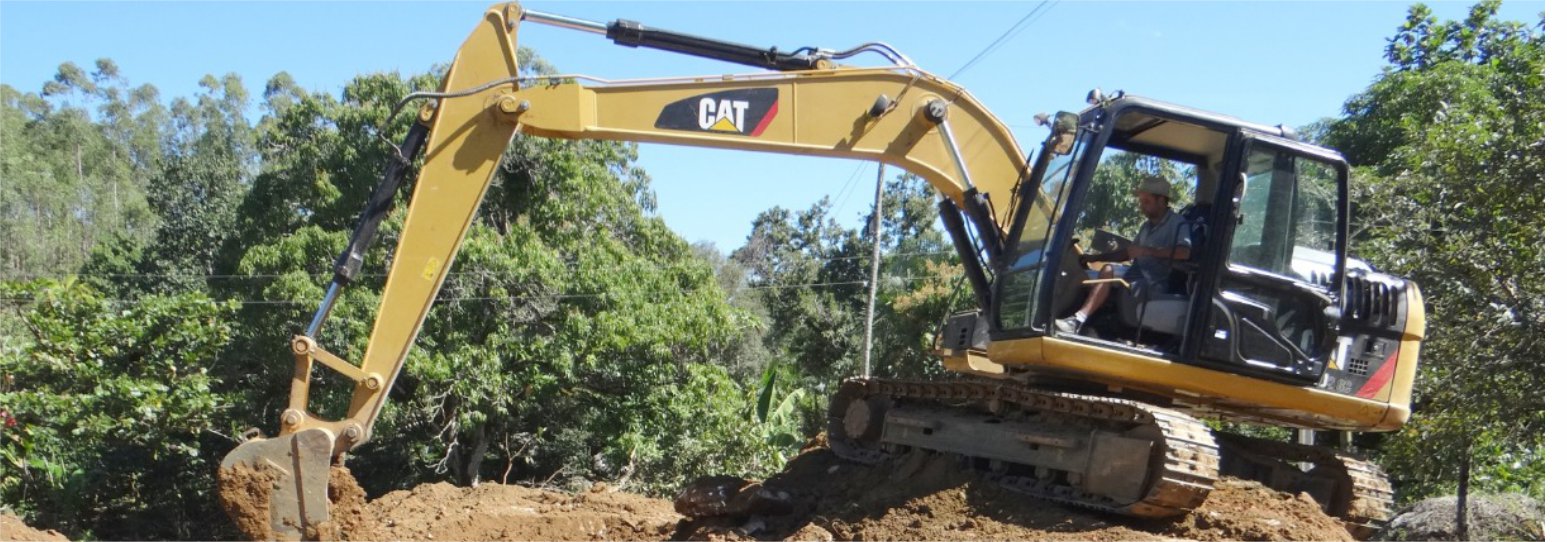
<point x="1165" y="312"/>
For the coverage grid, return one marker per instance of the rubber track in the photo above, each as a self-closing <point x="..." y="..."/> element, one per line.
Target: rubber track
<point x="1187" y="473"/>
<point x="1371" y="503"/>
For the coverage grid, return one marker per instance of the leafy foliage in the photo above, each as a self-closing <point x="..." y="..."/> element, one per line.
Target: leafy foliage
<point x="1451" y="137"/>
<point x="108" y="410"/>
<point x="811" y="277"/>
<point x="76" y="160"/>
<point x="578" y="338"/>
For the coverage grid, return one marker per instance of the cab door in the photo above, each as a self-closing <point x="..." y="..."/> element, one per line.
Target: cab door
<point x="1274" y="311"/>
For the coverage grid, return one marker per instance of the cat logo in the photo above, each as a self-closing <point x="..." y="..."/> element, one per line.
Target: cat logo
<point x="721" y="115"/>
<point x="745" y="112"/>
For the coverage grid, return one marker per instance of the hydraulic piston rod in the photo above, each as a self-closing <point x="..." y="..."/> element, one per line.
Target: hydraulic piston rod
<point x="634" y="34"/>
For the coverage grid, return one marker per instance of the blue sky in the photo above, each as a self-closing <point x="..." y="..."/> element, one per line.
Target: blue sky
<point x="1268" y="62"/>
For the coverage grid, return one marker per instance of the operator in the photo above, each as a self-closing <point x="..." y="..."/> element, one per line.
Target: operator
<point x="1160" y="240"/>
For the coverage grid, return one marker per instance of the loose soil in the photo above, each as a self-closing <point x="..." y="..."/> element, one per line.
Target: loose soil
<point x="816" y="498"/>
<point x="13" y="530"/>
<point x="917" y="497"/>
<point x="933" y="497"/>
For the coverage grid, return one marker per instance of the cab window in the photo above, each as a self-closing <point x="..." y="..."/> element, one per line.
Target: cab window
<point x="1287" y="217"/>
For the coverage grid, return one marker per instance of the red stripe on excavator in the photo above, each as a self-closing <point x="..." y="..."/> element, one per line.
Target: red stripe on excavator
<point x="1381" y="378"/>
<point x="766" y="120"/>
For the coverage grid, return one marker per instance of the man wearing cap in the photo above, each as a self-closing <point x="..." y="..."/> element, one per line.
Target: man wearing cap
<point x="1160" y="240"/>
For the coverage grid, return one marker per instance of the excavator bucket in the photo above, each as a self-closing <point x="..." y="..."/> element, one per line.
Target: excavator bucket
<point x="276" y="488"/>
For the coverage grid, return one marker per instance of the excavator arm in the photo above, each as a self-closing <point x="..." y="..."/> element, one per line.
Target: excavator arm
<point x="899" y="115"/>
<point x="925" y="125"/>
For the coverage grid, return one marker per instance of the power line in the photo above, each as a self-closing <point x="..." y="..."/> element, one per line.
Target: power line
<point x="834" y="215"/>
<point x="854" y="178"/>
<point x="1023" y="22"/>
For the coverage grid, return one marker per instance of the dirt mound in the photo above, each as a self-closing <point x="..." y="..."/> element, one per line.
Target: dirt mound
<point x="1491" y="517"/>
<point x="917" y="497"/>
<point x="1246" y="510"/>
<point x="13" y="530"/>
<point x="506" y="512"/>
<point x="932" y="497"/>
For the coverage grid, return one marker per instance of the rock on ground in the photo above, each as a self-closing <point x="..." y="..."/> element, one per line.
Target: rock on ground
<point x="1491" y="517"/>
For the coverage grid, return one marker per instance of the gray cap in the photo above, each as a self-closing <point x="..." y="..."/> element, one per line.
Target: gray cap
<point x="1156" y="185"/>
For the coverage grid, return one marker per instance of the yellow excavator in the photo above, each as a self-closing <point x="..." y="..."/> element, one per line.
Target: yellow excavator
<point x="1267" y="321"/>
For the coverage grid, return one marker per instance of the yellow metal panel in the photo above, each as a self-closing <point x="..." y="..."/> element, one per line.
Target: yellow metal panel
<point x="1194" y="384"/>
<point x="1402" y="388"/>
<point x="1397" y="390"/>
<point x="972" y="363"/>
<point x="819" y="113"/>
<point x="465" y="144"/>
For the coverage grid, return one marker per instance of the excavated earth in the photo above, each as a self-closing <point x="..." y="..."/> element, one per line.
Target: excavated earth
<point x="916" y="497"/>
<point x="13" y="530"/>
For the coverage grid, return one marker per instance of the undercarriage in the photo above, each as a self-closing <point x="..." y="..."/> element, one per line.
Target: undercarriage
<point x="1110" y="454"/>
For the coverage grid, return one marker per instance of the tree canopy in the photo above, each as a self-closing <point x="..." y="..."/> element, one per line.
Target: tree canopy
<point x="1450" y="192"/>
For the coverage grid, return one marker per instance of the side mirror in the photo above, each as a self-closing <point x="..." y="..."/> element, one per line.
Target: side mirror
<point x="1063" y="132"/>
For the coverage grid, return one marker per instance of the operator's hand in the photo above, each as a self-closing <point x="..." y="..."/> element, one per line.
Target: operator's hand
<point x="1136" y="251"/>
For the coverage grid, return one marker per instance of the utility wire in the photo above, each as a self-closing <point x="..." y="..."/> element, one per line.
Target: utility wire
<point x="1022" y="23"/>
<point x="1016" y="28"/>
<point x="853" y="180"/>
<point x="833" y="212"/>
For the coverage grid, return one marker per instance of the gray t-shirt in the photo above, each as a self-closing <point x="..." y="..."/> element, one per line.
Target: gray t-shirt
<point x="1171" y="231"/>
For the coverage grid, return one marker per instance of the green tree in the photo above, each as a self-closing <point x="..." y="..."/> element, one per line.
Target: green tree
<point x="208" y="164"/>
<point x="812" y="277"/>
<point x="205" y="163"/>
<point x="812" y="286"/>
<point x="108" y="406"/>
<point x="576" y="338"/>
<point x="752" y="356"/>
<point x="76" y="165"/>
<point x="920" y="283"/>
<point x="1451" y="195"/>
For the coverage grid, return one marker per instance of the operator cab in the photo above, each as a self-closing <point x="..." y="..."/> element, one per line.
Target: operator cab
<point x="1259" y="294"/>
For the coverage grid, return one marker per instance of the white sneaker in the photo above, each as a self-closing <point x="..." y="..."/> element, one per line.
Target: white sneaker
<point x="1069" y="324"/>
